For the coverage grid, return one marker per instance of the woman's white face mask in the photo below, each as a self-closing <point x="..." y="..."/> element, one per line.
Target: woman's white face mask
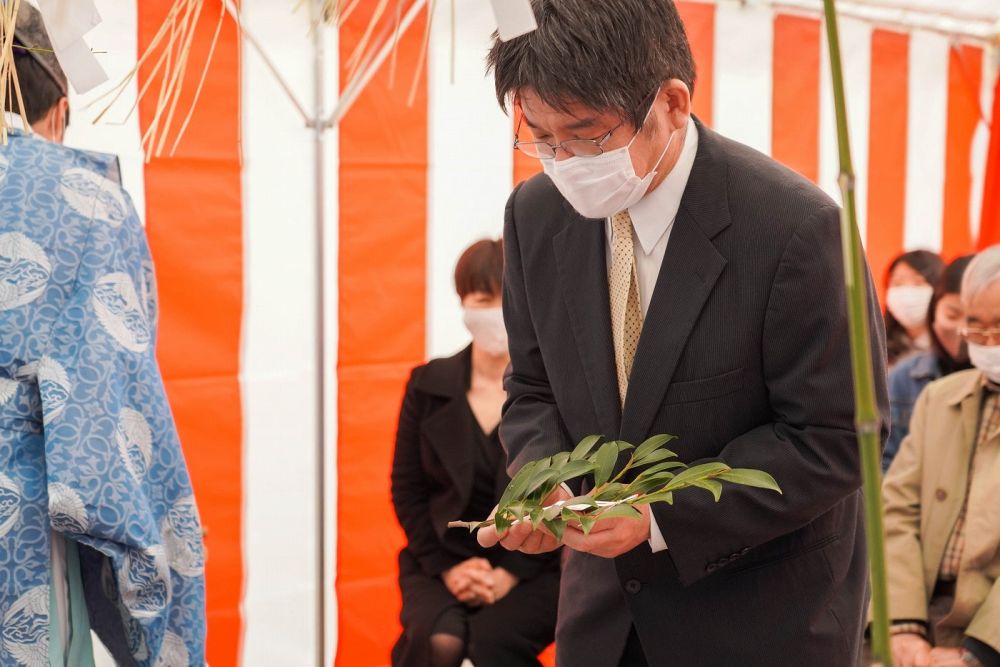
<point x="487" y="329"/>
<point x="600" y="186"/>
<point x="909" y="303"/>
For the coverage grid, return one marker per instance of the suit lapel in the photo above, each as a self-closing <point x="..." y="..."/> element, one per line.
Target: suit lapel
<point x="581" y="262"/>
<point x="691" y="266"/>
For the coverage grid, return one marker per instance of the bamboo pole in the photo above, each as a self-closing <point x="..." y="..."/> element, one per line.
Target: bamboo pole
<point x="865" y="406"/>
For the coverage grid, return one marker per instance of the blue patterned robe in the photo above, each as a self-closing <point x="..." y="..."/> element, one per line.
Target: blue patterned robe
<point x="88" y="446"/>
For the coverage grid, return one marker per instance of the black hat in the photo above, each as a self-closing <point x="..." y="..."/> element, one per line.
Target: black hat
<point x="31" y="37"/>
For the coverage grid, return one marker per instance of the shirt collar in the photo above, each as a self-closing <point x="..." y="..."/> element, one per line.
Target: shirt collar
<point x="14" y="122"/>
<point x="655" y="212"/>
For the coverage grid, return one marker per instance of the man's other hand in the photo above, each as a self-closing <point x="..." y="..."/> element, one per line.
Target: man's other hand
<point x="610" y="537"/>
<point x="522" y="536"/>
<point x="910" y="650"/>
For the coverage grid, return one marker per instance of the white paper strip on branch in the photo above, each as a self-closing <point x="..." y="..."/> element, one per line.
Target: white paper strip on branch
<point x="67" y="21"/>
<point x="514" y="18"/>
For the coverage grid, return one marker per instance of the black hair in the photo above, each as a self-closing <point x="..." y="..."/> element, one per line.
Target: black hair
<point x="610" y="55"/>
<point x="39" y="92"/>
<point x="927" y="264"/>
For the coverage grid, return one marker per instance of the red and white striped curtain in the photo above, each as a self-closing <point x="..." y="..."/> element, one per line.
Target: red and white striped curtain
<point x="405" y="187"/>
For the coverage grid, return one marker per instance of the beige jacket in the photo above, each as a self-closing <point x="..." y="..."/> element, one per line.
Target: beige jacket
<point x="923" y="493"/>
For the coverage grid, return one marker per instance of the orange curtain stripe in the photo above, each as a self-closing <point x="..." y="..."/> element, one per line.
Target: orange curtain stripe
<point x="699" y="23"/>
<point x="195" y="228"/>
<point x="990" y="226"/>
<point x="795" y="104"/>
<point x="382" y="325"/>
<point x="887" y="150"/>
<point x="965" y="72"/>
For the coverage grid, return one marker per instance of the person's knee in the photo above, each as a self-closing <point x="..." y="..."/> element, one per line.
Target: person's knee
<point x="491" y="645"/>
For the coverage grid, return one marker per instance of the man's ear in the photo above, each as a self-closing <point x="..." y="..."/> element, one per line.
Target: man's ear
<point x="678" y="96"/>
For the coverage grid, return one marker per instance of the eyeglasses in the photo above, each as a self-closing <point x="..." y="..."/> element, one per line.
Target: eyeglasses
<point x="576" y="147"/>
<point x="980" y="336"/>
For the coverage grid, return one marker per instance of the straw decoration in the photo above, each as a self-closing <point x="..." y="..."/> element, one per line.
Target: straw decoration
<point x="169" y="51"/>
<point x="10" y="89"/>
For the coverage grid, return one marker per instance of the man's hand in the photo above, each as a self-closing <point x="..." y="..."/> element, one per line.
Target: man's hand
<point x="910" y="650"/>
<point x="471" y="582"/>
<point x="610" y="537"/>
<point x="503" y="583"/>
<point x="522" y="537"/>
<point x="947" y="657"/>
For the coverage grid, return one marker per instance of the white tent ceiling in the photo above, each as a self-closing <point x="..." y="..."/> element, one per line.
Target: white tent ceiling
<point x="970" y="19"/>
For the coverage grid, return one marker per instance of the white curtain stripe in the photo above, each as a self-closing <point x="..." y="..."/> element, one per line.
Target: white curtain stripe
<point x="743" y="55"/>
<point x="278" y="371"/>
<point x="926" y="140"/>
<point x="855" y="39"/>
<point x="471" y="161"/>
<point x="981" y="139"/>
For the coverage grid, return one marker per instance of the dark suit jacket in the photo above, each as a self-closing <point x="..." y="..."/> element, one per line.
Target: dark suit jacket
<point x="433" y="468"/>
<point x="744" y="355"/>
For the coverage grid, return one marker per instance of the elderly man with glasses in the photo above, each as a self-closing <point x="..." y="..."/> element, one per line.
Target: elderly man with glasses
<point x="942" y="511"/>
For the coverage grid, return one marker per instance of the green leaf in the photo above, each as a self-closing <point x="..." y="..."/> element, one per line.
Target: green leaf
<point x="605" y="461"/>
<point x="710" y="485"/>
<point x="702" y="471"/>
<point x="568" y="515"/>
<point x="556" y="528"/>
<point x="587" y="522"/>
<point x="519" y="483"/>
<point x="622" y="510"/>
<point x="659" y="496"/>
<point x="749" y="477"/>
<point x="540" y="479"/>
<point x="583" y="449"/>
<point x="572" y="470"/>
<point x="660" y="467"/>
<point x="651" y="445"/>
<point x="552" y="512"/>
<point x="613" y="491"/>
<point x="560" y="459"/>
<point x="501" y="522"/>
<point x="536" y="517"/>
<point x="651" y="483"/>
<point x="582" y="500"/>
<point x="657" y="456"/>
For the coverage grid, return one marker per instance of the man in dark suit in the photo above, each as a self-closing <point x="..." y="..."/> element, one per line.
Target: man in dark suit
<point x="663" y="279"/>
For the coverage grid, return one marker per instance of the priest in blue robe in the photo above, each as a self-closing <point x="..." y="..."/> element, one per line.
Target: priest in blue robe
<point x="98" y="523"/>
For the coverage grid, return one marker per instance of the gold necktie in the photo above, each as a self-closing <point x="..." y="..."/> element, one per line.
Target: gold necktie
<point x="623" y="289"/>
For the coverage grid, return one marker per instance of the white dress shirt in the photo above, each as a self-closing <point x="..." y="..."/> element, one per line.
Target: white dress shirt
<point x="652" y="221"/>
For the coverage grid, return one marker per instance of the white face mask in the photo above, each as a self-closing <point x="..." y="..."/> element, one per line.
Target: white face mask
<point x="987" y="359"/>
<point x="600" y="186"/>
<point x="909" y="303"/>
<point x="487" y="329"/>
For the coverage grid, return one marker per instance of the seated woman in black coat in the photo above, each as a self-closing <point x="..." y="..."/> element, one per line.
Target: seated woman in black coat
<point x="495" y="607"/>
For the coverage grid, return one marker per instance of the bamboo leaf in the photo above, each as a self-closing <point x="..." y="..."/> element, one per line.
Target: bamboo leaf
<point x="710" y="485"/>
<point x="536" y="517"/>
<point x="702" y="471"/>
<point x="587" y="522"/>
<point x="748" y="477"/>
<point x="582" y="450"/>
<point x="651" y="445"/>
<point x="605" y="461"/>
<point x="540" y="479"/>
